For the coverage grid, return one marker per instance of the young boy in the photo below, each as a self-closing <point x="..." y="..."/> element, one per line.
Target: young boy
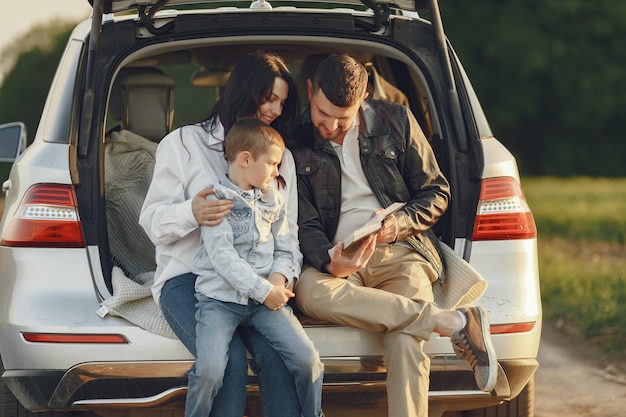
<point x="242" y="270"/>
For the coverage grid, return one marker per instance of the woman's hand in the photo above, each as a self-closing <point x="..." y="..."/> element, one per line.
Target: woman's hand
<point x="209" y="212"/>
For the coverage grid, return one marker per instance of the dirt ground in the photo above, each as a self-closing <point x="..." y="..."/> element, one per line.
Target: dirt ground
<point x="577" y="379"/>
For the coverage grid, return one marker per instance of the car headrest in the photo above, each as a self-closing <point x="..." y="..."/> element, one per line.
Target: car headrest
<point x="116" y="102"/>
<point x="142" y="101"/>
<point x="148" y="104"/>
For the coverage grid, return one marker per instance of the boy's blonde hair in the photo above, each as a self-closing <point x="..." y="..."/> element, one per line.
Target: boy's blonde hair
<point x="252" y="135"/>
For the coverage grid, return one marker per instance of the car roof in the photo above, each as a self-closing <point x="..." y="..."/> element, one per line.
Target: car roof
<point x="111" y="6"/>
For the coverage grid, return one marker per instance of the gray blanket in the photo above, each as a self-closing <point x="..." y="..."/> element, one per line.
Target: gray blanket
<point x="128" y="167"/>
<point x="132" y="300"/>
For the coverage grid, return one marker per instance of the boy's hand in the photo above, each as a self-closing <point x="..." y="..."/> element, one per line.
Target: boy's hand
<point x="277" y="297"/>
<point x="276" y="278"/>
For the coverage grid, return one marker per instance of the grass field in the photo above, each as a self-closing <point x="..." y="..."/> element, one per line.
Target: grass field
<point x="581" y="224"/>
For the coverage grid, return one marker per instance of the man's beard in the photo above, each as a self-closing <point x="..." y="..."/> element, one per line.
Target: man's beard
<point x="335" y="134"/>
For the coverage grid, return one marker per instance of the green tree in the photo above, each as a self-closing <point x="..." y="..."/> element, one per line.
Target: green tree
<point x="28" y="67"/>
<point x="550" y="75"/>
<point x="34" y="61"/>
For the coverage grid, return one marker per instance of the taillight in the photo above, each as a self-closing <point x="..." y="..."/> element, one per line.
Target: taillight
<point x="46" y="217"/>
<point x="503" y="213"/>
<point x="74" y="338"/>
<point x="512" y="328"/>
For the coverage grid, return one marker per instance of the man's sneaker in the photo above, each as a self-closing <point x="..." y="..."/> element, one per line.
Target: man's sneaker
<point x="473" y="342"/>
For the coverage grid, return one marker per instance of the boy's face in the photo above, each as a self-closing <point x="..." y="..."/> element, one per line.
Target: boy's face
<point x="260" y="172"/>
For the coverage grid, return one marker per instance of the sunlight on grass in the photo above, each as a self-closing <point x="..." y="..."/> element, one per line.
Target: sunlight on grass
<point x="581" y="224"/>
<point x="579" y="208"/>
<point x="584" y="285"/>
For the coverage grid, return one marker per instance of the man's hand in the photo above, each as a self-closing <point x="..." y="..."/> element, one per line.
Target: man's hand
<point x="389" y="231"/>
<point x="277" y="297"/>
<point x="342" y="266"/>
<point x="209" y="212"/>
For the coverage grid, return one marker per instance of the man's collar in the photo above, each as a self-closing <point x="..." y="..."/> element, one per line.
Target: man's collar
<point x="371" y="123"/>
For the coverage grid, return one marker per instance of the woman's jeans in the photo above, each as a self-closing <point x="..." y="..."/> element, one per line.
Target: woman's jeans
<point x="277" y="391"/>
<point x="218" y="321"/>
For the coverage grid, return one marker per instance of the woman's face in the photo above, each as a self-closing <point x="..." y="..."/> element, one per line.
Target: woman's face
<point x="271" y="107"/>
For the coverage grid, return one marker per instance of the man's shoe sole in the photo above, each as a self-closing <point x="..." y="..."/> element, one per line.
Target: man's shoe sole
<point x="491" y="352"/>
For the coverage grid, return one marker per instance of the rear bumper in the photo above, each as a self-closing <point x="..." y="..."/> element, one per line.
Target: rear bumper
<point x="115" y="385"/>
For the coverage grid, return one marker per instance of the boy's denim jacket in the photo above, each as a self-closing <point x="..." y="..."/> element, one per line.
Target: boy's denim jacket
<point x="238" y="255"/>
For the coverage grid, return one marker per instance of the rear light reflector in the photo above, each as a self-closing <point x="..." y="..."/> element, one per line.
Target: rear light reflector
<point x="503" y="213"/>
<point x="74" y="338"/>
<point x="512" y="328"/>
<point x="47" y="217"/>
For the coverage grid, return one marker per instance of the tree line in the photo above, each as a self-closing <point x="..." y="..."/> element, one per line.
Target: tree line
<point x="550" y="75"/>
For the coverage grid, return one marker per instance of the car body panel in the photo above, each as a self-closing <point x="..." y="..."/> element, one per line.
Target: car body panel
<point x="59" y="290"/>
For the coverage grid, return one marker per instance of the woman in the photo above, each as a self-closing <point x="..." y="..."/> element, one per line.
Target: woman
<point x="188" y="158"/>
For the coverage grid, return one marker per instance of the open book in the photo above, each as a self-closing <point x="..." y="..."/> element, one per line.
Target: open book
<point x="373" y="225"/>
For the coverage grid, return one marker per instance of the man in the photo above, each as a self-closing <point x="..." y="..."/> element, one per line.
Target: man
<point x="353" y="157"/>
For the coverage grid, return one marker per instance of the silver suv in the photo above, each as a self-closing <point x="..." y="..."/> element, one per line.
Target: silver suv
<point x="148" y="66"/>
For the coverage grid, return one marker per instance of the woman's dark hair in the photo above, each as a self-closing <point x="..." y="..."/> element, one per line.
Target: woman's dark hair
<point x="250" y="85"/>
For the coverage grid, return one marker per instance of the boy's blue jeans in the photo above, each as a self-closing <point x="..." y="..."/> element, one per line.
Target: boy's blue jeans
<point x="217" y="321"/>
<point x="277" y="391"/>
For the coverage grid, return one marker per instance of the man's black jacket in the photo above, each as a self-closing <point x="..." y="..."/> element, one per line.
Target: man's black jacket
<point x="399" y="165"/>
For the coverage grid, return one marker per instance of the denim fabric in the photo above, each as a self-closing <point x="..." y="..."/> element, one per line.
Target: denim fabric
<point x="277" y="392"/>
<point x="216" y="324"/>
<point x="178" y="305"/>
<point x="237" y="255"/>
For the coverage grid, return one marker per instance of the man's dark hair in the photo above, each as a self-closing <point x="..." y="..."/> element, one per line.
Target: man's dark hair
<point x="342" y="78"/>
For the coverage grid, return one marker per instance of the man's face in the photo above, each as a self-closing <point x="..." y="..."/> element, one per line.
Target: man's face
<point x="332" y="122"/>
